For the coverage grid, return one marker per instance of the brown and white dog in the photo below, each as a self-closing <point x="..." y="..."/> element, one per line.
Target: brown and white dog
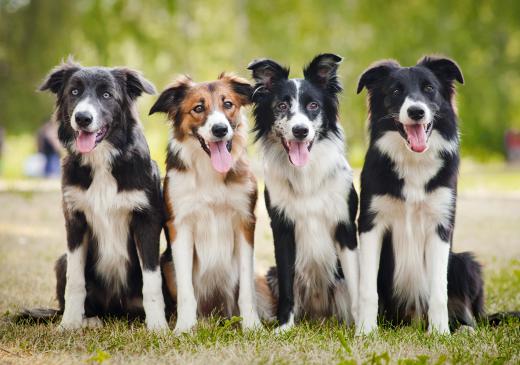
<point x="210" y="196"/>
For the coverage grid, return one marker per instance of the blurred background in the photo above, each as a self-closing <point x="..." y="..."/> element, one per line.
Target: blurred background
<point x="163" y="38"/>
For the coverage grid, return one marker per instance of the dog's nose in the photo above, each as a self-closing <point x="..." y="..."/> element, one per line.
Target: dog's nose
<point x="300" y="131"/>
<point x="83" y="119"/>
<point x="415" y="112"/>
<point x="219" y="130"/>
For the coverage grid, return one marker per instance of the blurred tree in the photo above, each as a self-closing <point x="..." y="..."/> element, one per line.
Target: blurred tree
<point x="204" y="37"/>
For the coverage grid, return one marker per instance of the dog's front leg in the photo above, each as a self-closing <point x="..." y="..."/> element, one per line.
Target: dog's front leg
<point x="182" y="251"/>
<point x="370" y="244"/>
<point x="246" y="291"/>
<point x="346" y="240"/>
<point x="75" y="290"/>
<point x="147" y="231"/>
<point x="437" y="256"/>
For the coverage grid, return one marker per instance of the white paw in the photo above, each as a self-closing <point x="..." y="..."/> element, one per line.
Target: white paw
<point x="364" y="327"/>
<point x="465" y="329"/>
<point x="251" y="322"/>
<point x="283" y="328"/>
<point x="439" y="328"/>
<point x="69" y="324"/>
<point x="184" y="325"/>
<point x="438" y="320"/>
<point x="156" y="324"/>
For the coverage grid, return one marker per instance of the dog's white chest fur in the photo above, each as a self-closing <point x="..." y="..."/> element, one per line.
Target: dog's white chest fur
<point x="413" y="220"/>
<point x="314" y="198"/>
<point x="108" y="213"/>
<point x="213" y="210"/>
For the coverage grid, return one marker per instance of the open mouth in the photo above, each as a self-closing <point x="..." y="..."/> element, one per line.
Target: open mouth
<point x="415" y="135"/>
<point x="219" y="153"/>
<point x="298" y="151"/>
<point x="87" y="141"/>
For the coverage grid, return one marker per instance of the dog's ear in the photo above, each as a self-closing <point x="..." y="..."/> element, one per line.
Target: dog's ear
<point x="444" y="68"/>
<point x="171" y="97"/>
<point x="57" y="78"/>
<point x="133" y="82"/>
<point x="266" y="74"/>
<point x="240" y="86"/>
<point x="322" y="72"/>
<point x="375" y="73"/>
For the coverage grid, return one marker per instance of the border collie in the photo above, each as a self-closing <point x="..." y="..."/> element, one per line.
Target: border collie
<point x="210" y="196"/>
<point x="111" y="199"/>
<point x="309" y="193"/>
<point x="408" y="198"/>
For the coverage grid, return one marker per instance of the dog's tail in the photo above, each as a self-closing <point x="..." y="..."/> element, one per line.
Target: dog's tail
<point x="37" y="315"/>
<point x="266" y="302"/>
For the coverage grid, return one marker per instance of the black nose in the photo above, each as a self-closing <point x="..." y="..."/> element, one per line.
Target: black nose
<point x="83" y="119"/>
<point x="219" y="130"/>
<point x="415" y="112"/>
<point x="300" y="131"/>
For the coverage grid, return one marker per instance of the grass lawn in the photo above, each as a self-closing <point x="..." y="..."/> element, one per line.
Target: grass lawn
<point x="32" y="236"/>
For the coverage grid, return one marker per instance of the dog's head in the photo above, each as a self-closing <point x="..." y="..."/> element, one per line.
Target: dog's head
<point x="208" y="112"/>
<point x="415" y="98"/>
<point x="296" y="112"/>
<point x="93" y="103"/>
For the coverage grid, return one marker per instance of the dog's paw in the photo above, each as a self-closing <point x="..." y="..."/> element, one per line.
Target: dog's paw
<point x="70" y="324"/>
<point x="251" y="323"/>
<point x="156" y="324"/>
<point x="366" y="328"/>
<point x="184" y="326"/>
<point x="92" y="322"/>
<point x="439" y="329"/>
<point x="284" y="328"/>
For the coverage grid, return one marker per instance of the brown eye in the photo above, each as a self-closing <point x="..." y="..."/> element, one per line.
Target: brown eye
<point x="198" y="109"/>
<point x="282" y="106"/>
<point x="428" y="89"/>
<point x="312" y="106"/>
<point x="228" y="105"/>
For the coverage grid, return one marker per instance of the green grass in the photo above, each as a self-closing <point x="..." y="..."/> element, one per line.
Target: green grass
<point x="222" y="341"/>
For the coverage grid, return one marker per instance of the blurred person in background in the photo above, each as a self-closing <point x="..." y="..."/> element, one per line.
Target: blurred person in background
<point x="46" y="163"/>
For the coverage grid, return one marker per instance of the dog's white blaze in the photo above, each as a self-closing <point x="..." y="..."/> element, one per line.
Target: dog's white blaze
<point x="419" y="258"/>
<point x="314" y="197"/>
<point x="75" y="290"/>
<point x="108" y="213"/>
<point x="88" y="106"/>
<point x="153" y="301"/>
<point x="409" y="102"/>
<point x="215" y="117"/>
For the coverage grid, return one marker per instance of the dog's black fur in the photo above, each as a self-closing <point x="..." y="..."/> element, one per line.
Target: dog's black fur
<point x="113" y="92"/>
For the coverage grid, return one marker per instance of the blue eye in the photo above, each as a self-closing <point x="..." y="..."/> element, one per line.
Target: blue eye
<point x="106" y="95"/>
<point x="74" y="92"/>
<point x="283" y="106"/>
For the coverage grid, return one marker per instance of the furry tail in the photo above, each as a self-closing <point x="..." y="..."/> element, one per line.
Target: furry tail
<point x="37" y="315"/>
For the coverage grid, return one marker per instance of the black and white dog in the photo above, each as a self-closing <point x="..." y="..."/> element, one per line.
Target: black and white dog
<point x="111" y="199"/>
<point x="408" y="198"/>
<point x="309" y="193"/>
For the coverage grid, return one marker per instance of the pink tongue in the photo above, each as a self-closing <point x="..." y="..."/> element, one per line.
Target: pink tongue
<point x="298" y="153"/>
<point x="416" y="136"/>
<point x="220" y="157"/>
<point x="85" y="141"/>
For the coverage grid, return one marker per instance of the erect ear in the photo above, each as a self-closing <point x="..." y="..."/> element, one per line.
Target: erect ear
<point x="267" y="73"/>
<point x="240" y="86"/>
<point x="375" y="73"/>
<point x="445" y="69"/>
<point x="322" y="72"/>
<point x="133" y="82"/>
<point x="57" y="78"/>
<point x="170" y="98"/>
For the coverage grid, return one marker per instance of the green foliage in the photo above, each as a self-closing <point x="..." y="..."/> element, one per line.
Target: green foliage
<point x="167" y="37"/>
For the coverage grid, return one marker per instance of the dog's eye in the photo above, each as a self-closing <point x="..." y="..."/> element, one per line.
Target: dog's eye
<point x="198" y="109"/>
<point x="228" y="104"/>
<point x="106" y="95"/>
<point x="428" y="89"/>
<point x="74" y="92"/>
<point x="312" y="106"/>
<point x="282" y="106"/>
<point x="396" y="92"/>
